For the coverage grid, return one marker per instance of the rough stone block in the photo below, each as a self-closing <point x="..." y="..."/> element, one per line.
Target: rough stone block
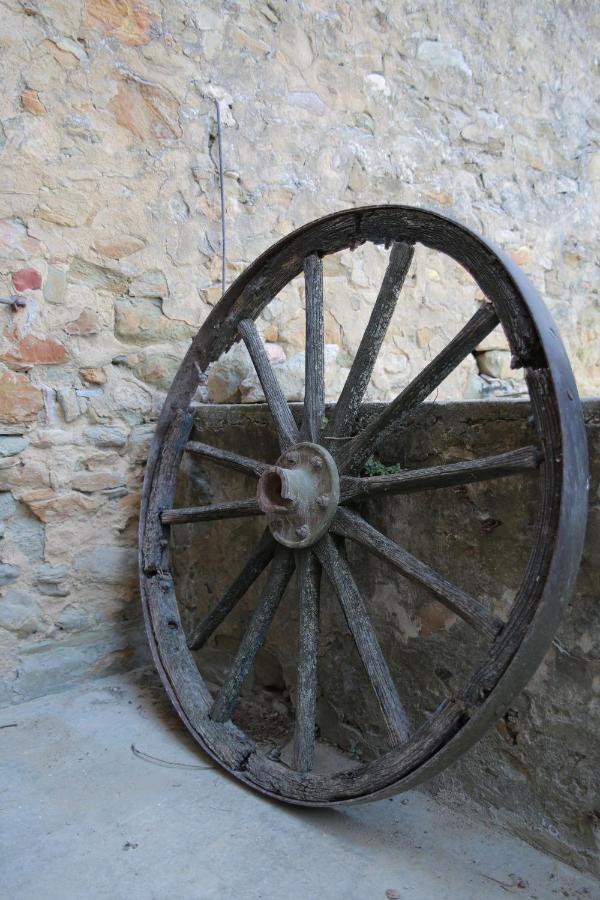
<point x="142" y="322"/>
<point x="86" y="323"/>
<point x="20" y="401"/>
<point x="148" y="111"/>
<point x="158" y="369"/>
<point x="51" y="580"/>
<point x="31" y="103"/>
<point x="55" y="285"/>
<point x="106" y="436"/>
<point x="47" y="667"/>
<point x="100" y="278"/>
<point x="8" y="505"/>
<point x="69" y="404"/>
<point x="48" y="505"/>
<point x="496" y="364"/>
<point x="150" y="284"/>
<point x="27" y="280"/>
<point x="73" y="619"/>
<point x="108" y="564"/>
<point x="33" y="351"/>
<point x="20" y="613"/>
<point x="54" y="437"/>
<point x="97" y="480"/>
<point x="8" y="573"/>
<point x="11" y="446"/>
<point x="118" y="247"/>
<point x="130" y="23"/>
<point x="139" y="443"/>
<point x="93" y="375"/>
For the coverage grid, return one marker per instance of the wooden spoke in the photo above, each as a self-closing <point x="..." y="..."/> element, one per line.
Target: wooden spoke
<point x="356" y="451"/>
<point x="346" y="408"/>
<point x="365" y="639"/>
<point x="287" y="430"/>
<point x="226" y="458"/>
<point x="314" y="378"/>
<point x="309" y="576"/>
<point x="514" y="462"/>
<point x="279" y="576"/>
<point x="233" y="509"/>
<point x="353" y="526"/>
<point x="257" y="563"/>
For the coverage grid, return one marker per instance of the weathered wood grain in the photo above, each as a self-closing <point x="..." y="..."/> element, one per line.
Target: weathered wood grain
<point x="167" y="639"/>
<point x="227" y="458"/>
<point x="354" y="453"/>
<point x="287" y="430"/>
<point x="362" y="631"/>
<point x="223" y="740"/>
<point x="353" y="526"/>
<point x="314" y="370"/>
<point x="514" y="462"/>
<point x="231" y="509"/>
<point x="346" y="409"/>
<point x="155" y="534"/>
<point x="257" y="563"/>
<point x="309" y="577"/>
<point x="279" y="576"/>
<point x="359" y="782"/>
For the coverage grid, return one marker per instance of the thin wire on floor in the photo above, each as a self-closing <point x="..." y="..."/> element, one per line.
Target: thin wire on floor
<point x="165" y="762"/>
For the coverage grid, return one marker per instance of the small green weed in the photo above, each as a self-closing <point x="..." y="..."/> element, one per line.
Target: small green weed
<point x="373" y="466"/>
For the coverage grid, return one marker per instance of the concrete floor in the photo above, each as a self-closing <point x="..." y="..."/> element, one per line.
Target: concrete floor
<point x="83" y="816"/>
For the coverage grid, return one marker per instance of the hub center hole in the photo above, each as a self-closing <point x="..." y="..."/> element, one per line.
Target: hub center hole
<point x="271" y="490"/>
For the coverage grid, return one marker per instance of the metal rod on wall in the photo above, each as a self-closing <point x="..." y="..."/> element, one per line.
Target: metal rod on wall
<point x="222" y="187"/>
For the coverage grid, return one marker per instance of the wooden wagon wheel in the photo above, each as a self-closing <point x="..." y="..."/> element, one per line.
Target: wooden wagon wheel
<point x="307" y="499"/>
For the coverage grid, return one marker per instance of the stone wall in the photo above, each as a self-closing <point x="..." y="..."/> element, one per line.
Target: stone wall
<point x="110" y="235"/>
<point x="538" y="772"/>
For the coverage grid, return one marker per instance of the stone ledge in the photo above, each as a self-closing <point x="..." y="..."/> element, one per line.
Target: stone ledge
<point x="537" y="774"/>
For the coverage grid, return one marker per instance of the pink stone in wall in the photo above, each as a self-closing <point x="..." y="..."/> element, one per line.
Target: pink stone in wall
<point x="150" y="112"/>
<point x="130" y="21"/>
<point x="86" y="323"/>
<point x="32" y="351"/>
<point x="27" y="280"/>
<point x="31" y="103"/>
<point x="48" y="505"/>
<point x="20" y="401"/>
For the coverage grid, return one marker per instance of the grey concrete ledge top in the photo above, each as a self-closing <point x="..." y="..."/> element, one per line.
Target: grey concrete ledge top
<point x="483" y="410"/>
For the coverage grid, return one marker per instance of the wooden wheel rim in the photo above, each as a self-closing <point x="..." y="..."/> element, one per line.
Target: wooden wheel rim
<point x="548" y="580"/>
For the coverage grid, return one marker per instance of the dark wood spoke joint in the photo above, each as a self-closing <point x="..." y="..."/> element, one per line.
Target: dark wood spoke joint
<point x="514" y="462"/>
<point x="314" y="393"/>
<point x="351" y="525"/>
<point x="348" y="404"/>
<point x="367" y="644"/>
<point x="353" y="454"/>
<point x="227" y="458"/>
<point x="309" y="577"/>
<point x="287" y="429"/>
<point x="257" y="563"/>
<point x="280" y="573"/>
<point x="232" y="509"/>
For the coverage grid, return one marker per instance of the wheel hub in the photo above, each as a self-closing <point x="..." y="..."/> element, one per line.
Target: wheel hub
<point x="300" y="494"/>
